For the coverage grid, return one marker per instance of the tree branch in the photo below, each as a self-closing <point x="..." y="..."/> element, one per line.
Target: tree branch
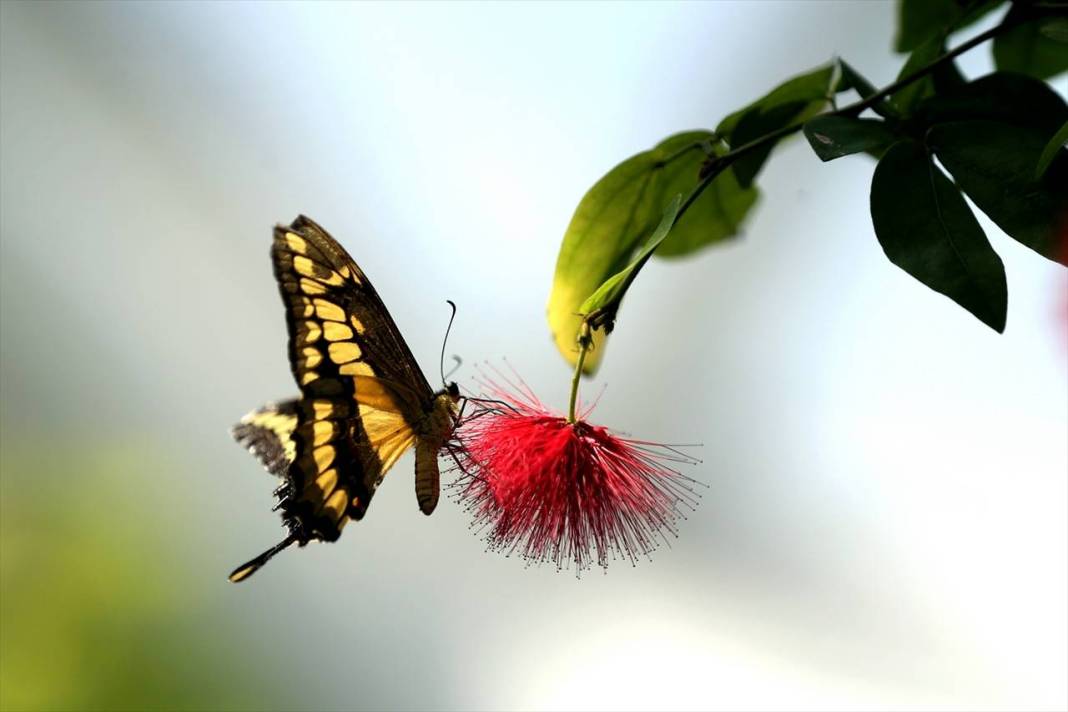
<point x="719" y="164"/>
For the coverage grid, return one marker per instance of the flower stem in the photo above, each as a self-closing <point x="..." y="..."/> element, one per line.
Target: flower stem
<point x="585" y="341"/>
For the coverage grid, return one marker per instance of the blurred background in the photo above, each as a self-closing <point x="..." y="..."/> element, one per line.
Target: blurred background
<point x="884" y="524"/>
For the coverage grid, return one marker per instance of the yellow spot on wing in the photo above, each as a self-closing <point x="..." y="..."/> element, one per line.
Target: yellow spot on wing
<point x="329" y="310"/>
<point x="302" y="306"/>
<point x="312" y="357"/>
<point x="311" y="332"/>
<point x="308" y="377"/>
<point x="323" y="456"/>
<point x="322" y="432"/>
<point x="337" y="503"/>
<point x="357" y="324"/>
<point x="344" y="351"/>
<point x="296" y="243"/>
<point x="304" y="266"/>
<point x="356" y="368"/>
<point x="323" y="409"/>
<point x="310" y="286"/>
<point x="327" y="481"/>
<point x="336" y="332"/>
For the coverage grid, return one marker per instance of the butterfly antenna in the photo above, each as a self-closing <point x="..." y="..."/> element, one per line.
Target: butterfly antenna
<point x="441" y="363"/>
<point x="457" y="362"/>
<point x="245" y="570"/>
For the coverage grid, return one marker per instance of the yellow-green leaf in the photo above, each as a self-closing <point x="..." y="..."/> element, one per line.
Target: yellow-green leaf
<point x="621" y="210"/>
<point x="610" y="295"/>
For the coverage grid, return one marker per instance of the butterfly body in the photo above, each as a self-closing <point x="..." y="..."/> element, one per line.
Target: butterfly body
<point x="364" y="401"/>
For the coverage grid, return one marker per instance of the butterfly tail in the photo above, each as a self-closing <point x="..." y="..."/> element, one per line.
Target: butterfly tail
<point x="248" y="568"/>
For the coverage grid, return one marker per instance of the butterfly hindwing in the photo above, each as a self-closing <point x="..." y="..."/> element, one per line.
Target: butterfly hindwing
<point x="267" y="433"/>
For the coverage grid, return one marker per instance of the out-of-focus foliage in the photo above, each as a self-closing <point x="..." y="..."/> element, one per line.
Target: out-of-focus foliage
<point x="921" y="20"/>
<point x="1036" y="46"/>
<point x="90" y="620"/>
<point x="1054" y="147"/>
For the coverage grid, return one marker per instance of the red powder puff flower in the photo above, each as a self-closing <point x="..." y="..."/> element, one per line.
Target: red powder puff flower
<point x="566" y="492"/>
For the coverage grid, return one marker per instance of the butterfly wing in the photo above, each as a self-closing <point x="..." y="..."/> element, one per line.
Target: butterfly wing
<point x="363" y="392"/>
<point x="327" y="295"/>
<point x="268" y="433"/>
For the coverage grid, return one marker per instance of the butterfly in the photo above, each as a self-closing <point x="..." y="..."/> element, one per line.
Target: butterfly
<point x="363" y="400"/>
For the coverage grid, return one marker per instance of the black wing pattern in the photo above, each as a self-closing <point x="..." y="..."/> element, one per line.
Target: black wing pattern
<point x="363" y="394"/>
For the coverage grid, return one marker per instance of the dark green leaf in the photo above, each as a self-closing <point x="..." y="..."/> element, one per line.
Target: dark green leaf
<point x="852" y="79"/>
<point x="755" y="124"/>
<point x="947" y="77"/>
<point x="1026" y="48"/>
<point x="1052" y="149"/>
<point x="922" y="20"/>
<point x="813" y="89"/>
<point x="1055" y="28"/>
<point x="906" y="100"/>
<point x="926" y="229"/>
<point x="836" y="136"/>
<point x="1002" y="96"/>
<point x="791" y="102"/>
<point x="994" y="164"/>
<point x="609" y="295"/>
<point x="919" y="21"/>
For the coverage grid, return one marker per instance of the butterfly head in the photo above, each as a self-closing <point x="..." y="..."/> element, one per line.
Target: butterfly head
<point x="453" y="391"/>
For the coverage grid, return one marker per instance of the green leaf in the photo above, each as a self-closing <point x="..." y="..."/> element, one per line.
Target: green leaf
<point x="610" y="295"/>
<point x="994" y="164"/>
<point x="755" y="124"/>
<point x="813" y="87"/>
<point x="1055" y="28"/>
<point x="1026" y="48"/>
<point x="606" y="225"/>
<point x="791" y="102"/>
<point x="919" y="21"/>
<point x="717" y="215"/>
<point x="836" y="136"/>
<point x="852" y="79"/>
<point x="621" y="209"/>
<point x="1051" y="150"/>
<point x="1001" y="96"/>
<point x="922" y="20"/>
<point x="926" y="229"/>
<point x="906" y="99"/>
